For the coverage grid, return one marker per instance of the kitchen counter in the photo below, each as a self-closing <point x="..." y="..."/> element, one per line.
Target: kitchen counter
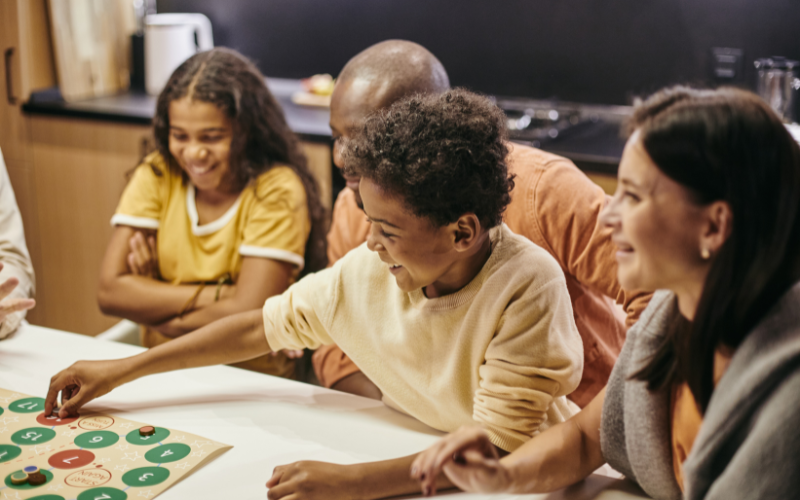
<point x="595" y="145"/>
<point x="309" y="123"/>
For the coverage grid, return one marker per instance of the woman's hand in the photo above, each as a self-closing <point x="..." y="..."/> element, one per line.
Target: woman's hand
<point x="313" y="480"/>
<point x="143" y="256"/>
<point x="10" y="306"/>
<point x="468" y="459"/>
<point x="81" y="383"/>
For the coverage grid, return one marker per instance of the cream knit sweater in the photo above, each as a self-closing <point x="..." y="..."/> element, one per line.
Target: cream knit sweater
<point x="502" y="352"/>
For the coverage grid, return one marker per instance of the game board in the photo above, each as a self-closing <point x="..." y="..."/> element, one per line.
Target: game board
<point x="93" y="456"/>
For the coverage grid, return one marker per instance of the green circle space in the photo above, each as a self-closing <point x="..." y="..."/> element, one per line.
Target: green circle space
<point x="133" y="437"/>
<point x="9" y="452"/>
<point x="26" y="486"/>
<point x="47" y="497"/>
<point x="105" y="492"/>
<point x="145" y="476"/>
<point x="27" y="405"/>
<point x="168" y="453"/>
<point x="1" y="410"/>
<point x="33" y="435"/>
<point x="96" y="439"/>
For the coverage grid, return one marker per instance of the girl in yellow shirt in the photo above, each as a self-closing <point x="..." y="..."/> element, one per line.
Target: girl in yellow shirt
<point x="222" y="216"/>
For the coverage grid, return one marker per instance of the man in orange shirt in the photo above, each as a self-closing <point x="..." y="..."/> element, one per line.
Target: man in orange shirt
<point x="553" y="204"/>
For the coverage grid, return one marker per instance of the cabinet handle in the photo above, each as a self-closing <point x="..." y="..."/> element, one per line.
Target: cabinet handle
<point x="9" y="92"/>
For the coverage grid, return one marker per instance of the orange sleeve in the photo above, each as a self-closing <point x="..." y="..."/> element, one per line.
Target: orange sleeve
<point x="349" y="227"/>
<point x="566" y="210"/>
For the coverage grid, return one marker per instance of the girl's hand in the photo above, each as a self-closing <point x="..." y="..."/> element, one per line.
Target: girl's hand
<point x="10" y="306"/>
<point x="468" y="458"/>
<point x="143" y="256"/>
<point x="172" y="328"/>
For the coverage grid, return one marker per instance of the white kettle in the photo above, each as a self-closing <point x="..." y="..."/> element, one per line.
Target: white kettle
<point x="169" y="40"/>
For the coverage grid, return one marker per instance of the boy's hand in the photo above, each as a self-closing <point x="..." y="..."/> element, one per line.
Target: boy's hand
<point x="143" y="257"/>
<point x="81" y="383"/>
<point x="312" y="481"/>
<point x="468" y="459"/>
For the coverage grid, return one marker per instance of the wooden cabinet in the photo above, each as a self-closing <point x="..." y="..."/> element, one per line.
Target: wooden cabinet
<point x="79" y="172"/>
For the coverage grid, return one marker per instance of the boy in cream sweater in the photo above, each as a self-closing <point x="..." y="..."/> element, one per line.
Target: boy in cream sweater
<point x="455" y="318"/>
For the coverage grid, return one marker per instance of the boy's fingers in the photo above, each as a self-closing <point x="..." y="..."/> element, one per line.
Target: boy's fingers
<point x="75" y="402"/>
<point x="51" y="400"/>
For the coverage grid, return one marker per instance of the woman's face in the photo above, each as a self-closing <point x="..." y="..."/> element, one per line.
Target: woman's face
<point x="200" y="137"/>
<point x="657" y="228"/>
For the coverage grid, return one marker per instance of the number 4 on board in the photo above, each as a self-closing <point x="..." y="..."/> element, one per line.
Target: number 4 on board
<point x="166" y="453"/>
<point x="29" y="405"/>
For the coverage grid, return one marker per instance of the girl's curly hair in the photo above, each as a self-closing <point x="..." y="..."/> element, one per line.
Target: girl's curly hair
<point x="443" y="154"/>
<point x="261" y="137"/>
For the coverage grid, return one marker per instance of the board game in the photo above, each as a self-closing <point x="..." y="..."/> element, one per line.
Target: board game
<point x="93" y="456"/>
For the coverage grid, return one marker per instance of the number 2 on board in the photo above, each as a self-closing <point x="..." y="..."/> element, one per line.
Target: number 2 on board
<point x="69" y="460"/>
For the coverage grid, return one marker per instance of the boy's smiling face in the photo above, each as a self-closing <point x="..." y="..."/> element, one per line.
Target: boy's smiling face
<point x="416" y="252"/>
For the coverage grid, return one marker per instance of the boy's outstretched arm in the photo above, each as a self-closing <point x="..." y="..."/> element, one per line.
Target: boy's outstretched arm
<point x="228" y="340"/>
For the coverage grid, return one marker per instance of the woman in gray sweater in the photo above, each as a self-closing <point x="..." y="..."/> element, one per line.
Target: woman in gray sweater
<point x="705" y="397"/>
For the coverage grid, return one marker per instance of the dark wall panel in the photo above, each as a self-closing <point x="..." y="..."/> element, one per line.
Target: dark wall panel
<point x="602" y="51"/>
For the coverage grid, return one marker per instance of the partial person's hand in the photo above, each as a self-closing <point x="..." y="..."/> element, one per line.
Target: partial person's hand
<point x="9" y="306"/>
<point x="143" y="257"/>
<point x="81" y="383"/>
<point x="468" y="459"/>
<point x="172" y="328"/>
<point x="312" y="481"/>
<point x="290" y="353"/>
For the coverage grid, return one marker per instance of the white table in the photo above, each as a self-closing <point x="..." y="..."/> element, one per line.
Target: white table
<point x="270" y="421"/>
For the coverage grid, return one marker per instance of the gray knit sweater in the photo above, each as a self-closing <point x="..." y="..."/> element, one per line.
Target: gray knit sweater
<point x="749" y="443"/>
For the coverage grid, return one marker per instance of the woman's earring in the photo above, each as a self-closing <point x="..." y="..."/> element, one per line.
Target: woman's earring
<point x="705" y="254"/>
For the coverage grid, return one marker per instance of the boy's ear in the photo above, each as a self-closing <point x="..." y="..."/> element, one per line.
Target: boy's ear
<point x="466" y="231"/>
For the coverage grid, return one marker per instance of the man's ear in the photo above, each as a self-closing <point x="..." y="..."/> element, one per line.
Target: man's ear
<point x="466" y="232"/>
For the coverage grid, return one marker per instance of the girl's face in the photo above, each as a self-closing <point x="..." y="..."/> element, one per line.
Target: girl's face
<point x="200" y="141"/>
<point x="657" y="228"/>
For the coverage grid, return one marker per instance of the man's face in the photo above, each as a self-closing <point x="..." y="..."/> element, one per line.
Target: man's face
<point x="352" y="101"/>
<point x="416" y="252"/>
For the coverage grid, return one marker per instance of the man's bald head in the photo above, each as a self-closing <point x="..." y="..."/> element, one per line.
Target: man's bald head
<point x="395" y="69"/>
<point x="377" y="77"/>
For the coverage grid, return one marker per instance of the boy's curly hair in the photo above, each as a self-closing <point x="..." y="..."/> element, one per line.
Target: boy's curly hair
<point x="443" y="154"/>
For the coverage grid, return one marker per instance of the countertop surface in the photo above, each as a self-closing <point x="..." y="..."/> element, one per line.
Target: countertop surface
<point x="269" y="421"/>
<point x="598" y="143"/>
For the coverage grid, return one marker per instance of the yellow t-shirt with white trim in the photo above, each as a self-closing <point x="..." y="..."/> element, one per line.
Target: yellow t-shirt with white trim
<point x="269" y="220"/>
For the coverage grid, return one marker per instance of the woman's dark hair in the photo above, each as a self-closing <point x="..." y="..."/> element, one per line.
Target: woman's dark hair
<point x="261" y="137"/>
<point x="726" y="145"/>
<point x="443" y="154"/>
